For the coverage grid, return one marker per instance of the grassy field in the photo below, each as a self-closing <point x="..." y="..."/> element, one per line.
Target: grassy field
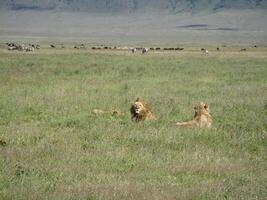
<point x="54" y="147"/>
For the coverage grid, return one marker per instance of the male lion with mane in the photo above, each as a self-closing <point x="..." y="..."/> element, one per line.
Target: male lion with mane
<point x="201" y="119"/>
<point x="140" y="111"/>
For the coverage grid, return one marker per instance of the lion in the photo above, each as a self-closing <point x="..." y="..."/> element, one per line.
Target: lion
<point x="201" y="119"/>
<point x="113" y="112"/>
<point x="140" y="111"/>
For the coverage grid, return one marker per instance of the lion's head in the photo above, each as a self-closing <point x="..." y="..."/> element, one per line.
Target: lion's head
<point x="140" y="111"/>
<point x="201" y="109"/>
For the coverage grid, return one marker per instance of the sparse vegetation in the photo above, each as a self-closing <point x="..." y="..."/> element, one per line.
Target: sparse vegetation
<point x="54" y="147"/>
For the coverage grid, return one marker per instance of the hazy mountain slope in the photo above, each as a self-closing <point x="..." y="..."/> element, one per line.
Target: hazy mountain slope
<point x="131" y="5"/>
<point x="133" y="21"/>
<point x="233" y="26"/>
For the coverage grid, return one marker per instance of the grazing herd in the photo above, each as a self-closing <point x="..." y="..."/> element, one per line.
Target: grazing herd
<point x="144" y="50"/>
<point x="22" y="47"/>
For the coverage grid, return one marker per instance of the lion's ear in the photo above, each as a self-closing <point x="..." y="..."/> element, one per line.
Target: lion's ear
<point x="206" y="106"/>
<point x="137" y="99"/>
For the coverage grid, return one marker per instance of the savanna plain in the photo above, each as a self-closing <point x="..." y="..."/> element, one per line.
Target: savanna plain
<point x="54" y="147"/>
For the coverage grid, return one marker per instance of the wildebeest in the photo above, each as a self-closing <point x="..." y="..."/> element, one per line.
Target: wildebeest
<point x="11" y="44"/>
<point x="35" y="46"/>
<point x="218" y="49"/>
<point x="157" y="48"/>
<point x="96" y="48"/>
<point x="10" y="48"/>
<point x="204" y="51"/>
<point x="243" y="49"/>
<point x="151" y="48"/>
<point x="22" y="47"/>
<point x="133" y="50"/>
<point x="144" y="50"/>
<point x="80" y="46"/>
<point x="29" y="48"/>
<point x="52" y="46"/>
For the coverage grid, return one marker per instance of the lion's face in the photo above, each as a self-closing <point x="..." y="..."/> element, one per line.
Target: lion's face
<point x="201" y="108"/>
<point x="141" y="111"/>
<point x="138" y="107"/>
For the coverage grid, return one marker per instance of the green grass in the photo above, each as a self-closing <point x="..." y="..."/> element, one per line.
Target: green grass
<point x="57" y="148"/>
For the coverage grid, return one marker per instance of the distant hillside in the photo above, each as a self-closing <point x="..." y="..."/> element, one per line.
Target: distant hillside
<point x="131" y="5"/>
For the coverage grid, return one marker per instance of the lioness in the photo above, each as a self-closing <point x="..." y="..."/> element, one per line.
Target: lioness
<point x="140" y="111"/>
<point x="202" y="117"/>
<point x="112" y="112"/>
